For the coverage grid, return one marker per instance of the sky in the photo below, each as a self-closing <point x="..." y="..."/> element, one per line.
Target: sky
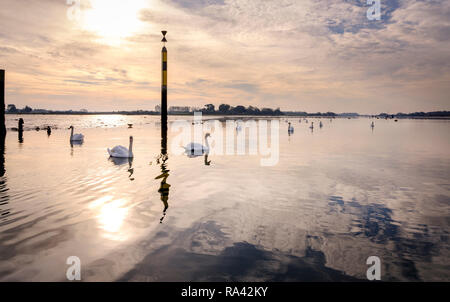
<point x="302" y="55"/>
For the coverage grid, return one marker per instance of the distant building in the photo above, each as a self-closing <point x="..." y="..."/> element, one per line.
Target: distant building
<point x="40" y="111"/>
<point x="179" y="109"/>
<point x="349" y="114"/>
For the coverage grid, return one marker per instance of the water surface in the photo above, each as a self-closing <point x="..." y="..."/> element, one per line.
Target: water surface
<point x="338" y="195"/>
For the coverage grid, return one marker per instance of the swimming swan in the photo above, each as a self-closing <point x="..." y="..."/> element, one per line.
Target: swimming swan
<point x="121" y="151"/>
<point x="196" y="149"/>
<point x="75" y="137"/>
<point x="290" y="128"/>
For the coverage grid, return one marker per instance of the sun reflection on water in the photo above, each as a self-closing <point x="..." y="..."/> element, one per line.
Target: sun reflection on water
<point x="111" y="215"/>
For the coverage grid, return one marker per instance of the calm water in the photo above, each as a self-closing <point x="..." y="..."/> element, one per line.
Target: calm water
<point x="337" y="196"/>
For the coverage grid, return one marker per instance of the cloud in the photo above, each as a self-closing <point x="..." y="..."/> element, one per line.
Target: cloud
<point x="299" y="55"/>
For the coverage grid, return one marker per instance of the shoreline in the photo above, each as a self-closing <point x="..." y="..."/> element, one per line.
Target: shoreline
<point x="237" y="115"/>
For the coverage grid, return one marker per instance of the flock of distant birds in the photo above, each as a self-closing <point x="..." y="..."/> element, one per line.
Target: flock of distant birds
<point x="119" y="151"/>
<point x="291" y="128"/>
<point x="192" y="149"/>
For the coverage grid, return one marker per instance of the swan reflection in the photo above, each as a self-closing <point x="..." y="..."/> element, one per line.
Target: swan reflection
<point x="120" y="161"/>
<point x="76" y="143"/>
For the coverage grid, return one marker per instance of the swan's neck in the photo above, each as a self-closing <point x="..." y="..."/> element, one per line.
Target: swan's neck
<point x="130" y="149"/>
<point x="71" y="133"/>
<point x="206" y="141"/>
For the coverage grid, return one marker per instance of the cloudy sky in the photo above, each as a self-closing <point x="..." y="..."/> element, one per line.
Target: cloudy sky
<point x="309" y="55"/>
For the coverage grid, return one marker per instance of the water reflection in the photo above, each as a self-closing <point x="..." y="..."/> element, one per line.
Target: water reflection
<point x="317" y="215"/>
<point x="119" y="161"/>
<point x="162" y="160"/>
<point x="76" y="143"/>
<point x="236" y="262"/>
<point x="375" y="222"/>
<point x="4" y="197"/>
<point x="111" y="215"/>
<point x="207" y="162"/>
<point x="2" y="155"/>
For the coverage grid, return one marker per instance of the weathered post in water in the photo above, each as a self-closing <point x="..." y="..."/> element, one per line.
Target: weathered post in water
<point x="164" y="84"/>
<point x="2" y="103"/>
<point x="20" y="130"/>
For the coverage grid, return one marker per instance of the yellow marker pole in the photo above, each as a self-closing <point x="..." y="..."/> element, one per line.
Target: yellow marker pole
<point x="164" y="84"/>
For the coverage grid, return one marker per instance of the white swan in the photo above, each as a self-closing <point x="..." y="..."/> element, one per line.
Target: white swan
<point x="290" y="128"/>
<point x="121" y="151"/>
<point x="196" y="149"/>
<point x="75" y="137"/>
<point x="238" y="126"/>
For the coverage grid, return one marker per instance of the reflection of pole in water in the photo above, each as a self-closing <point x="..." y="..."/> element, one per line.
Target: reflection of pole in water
<point x="162" y="159"/>
<point x="4" y="197"/>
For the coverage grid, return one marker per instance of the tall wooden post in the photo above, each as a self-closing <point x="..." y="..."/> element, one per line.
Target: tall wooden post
<point x="164" y="84"/>
<point x="2" y="103"/>
<point x="2" y="123"/>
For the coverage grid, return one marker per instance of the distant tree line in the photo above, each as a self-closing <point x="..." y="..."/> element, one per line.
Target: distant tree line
<point x="225" y="109"/>
<point x="303" y="113"/>
<point x="12" y="109"/>
<point x="419" y="114"/>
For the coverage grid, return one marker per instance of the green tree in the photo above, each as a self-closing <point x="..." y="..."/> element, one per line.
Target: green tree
<point x="224" y="108"/>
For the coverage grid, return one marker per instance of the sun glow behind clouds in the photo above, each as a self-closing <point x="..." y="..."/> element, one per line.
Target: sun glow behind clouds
<point x="113" y="20"/>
